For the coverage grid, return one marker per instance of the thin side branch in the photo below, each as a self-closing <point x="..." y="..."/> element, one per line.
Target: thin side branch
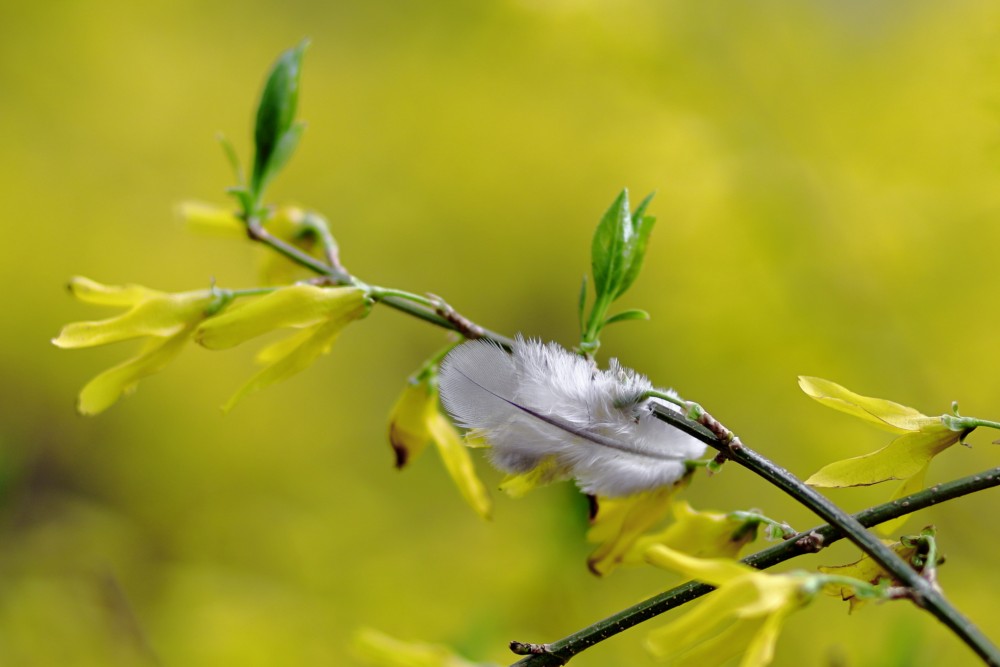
<point x="559" y="652"/>
<point x="335" y="275"/>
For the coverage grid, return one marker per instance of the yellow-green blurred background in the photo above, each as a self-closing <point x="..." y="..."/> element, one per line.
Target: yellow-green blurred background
<point x="828" y="204"/>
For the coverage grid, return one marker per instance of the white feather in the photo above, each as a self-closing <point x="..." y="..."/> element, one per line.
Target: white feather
<point x="542" y="401"/>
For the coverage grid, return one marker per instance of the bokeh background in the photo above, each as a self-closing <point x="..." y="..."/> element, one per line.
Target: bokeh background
<point x="827" y="194"/>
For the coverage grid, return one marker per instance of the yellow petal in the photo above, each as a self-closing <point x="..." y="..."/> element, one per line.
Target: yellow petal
<point x="902" y="458"/>
<point x="157" y="314"/>
<point x="381" y="650"/>
<point x="104" y="390"/>
<point x="211" y="220"/>
<point x="912" y="485"/>
<point x="296" y="306"/>
<point x="621" y="521"/>
<point x="760" y="650"/>
<point x="288" y="357"/>
<point x="746" y="611"/>
<point x="408" y="430"/>
<point x="773" y="592"/>
<point x="726" y="643"/>
<point x="707" y="629"/>
<point x="516" y="486"/>
<point x="714" y="571"/>
<point x="880" y="412"/>
<point x="458" y="462"/>
<point x="287" y="224"/>
<point x="700" y="534"/>
<point x="90" y="291"/>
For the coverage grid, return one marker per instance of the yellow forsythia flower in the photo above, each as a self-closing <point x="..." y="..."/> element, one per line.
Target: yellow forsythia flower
<point x="381" y="650"/>
<point x="620" y="528"/>
<point x="906" y="458"/>
<point x="320" y="314"/>
<point x="211" y="220"/>
<point x="702" y="534"/>
<point x="518" y="485"/>
<point x="416" y="421"/>
<point x="165" y="320"/>
<point x="619" y="522"/>
<point x="288" y="223"/>
<point x="744" y="615"/>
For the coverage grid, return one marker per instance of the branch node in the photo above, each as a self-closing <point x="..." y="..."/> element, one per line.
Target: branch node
<point x="811" y="542"/>
<point x="462" y="324"/>
<point x="526" y="648"/>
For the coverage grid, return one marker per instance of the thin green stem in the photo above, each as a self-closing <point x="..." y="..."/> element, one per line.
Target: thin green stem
<point x="426" y="312"/>
<point x="669" y="398"/>
<point x="779" y="528"/>
<point x="429" y="368"/>
<point x="808" y="541"/>
<point x="250" y="291"/>
<point x="434" y="318"/>
<point x="383" y="293"/>
<point x="317" y="224"/>
<point x="591" y="337"/>
<point x="973" y="422"/>
<point x="223" y="297"/>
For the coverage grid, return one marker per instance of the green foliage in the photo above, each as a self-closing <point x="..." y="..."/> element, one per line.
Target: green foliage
<point x="634" y="314"/>
<point x="276" y="134"/>
<point x="617" y="252"/>
<point x="619" y="245"/>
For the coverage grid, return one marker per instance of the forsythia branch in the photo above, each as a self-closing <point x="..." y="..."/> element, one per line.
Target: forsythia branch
<point x="559" y="652"/>
<point x="923" y="593"/>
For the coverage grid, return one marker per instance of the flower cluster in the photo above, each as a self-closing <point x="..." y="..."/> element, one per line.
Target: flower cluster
<point x="318" y="314"/>
<point x="920" y="439"/>
<point x="289" y="224"/>
<point x="744" y="616"/>
<point x="168" y="321"/>
<point x="165" y="322"/>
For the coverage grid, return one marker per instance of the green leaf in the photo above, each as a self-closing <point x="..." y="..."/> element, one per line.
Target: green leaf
<point x="609" y="248"/>
<point x="582" y="304"/>
<point x="617" y="253"/>
<point x="636" y="248"/>
<point x="635" y="314"/>
<point x="232" y="158"/>
<point x="276" y="113"/>
<point x="619" y="246"/>
<point x="637" y="252"/>
<point x="282" y="153"/>
<point x="243" y="196"/>
<point x="640" y="210"/>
